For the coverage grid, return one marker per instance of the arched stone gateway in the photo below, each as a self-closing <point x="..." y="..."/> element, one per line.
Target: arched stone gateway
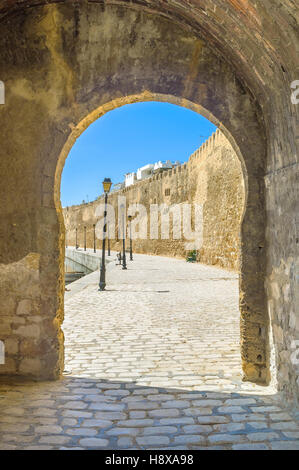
<point x="63" y="66"/>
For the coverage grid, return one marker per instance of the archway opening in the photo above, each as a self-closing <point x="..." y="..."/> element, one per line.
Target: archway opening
<point x="211" y="176"/>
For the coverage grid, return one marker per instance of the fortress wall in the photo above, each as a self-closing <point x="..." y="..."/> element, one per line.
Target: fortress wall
<point x="212" y="177"/>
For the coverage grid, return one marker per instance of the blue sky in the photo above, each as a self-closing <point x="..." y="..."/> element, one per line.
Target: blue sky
<point x="125" y="139"/>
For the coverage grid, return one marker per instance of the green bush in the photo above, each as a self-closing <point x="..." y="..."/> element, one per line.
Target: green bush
<point x="191" y="257"/>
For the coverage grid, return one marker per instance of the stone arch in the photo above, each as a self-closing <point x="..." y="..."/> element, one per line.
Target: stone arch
<point x="94" y="59"/>
<point x="144" y="96"/>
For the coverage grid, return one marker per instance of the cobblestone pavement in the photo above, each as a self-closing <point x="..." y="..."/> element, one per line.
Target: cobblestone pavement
<point x="152" y="363"/>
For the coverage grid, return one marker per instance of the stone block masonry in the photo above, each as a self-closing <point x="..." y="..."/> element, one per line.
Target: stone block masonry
<point x="212" y="177"/>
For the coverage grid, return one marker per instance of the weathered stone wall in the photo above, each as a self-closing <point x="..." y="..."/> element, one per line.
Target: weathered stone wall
<point x="212" y="178"/>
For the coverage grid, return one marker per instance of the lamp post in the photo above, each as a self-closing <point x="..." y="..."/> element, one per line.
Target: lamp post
<point x="124" y="261"/>
<point x="77" y="246"/>
<point x="131" y="251"/>
<point x="94" y="238"/>
<point x="106" y="186"/>
<point x="84" y="238"/>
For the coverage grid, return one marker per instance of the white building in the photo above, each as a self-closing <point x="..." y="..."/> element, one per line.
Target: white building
<point x="145" y="171"/>
<point x="130" y="179"/>
<point x="165" y="166"/>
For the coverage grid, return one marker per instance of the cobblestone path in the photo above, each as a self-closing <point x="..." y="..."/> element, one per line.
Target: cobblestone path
<point x="152" y="363"/>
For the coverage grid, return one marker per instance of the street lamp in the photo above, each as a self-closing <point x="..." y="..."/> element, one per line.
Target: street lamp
<point x="106" y="186"/>
<point x="124" y="237"/>
<point x="94" y="238"/>
<point x="77" y="246"/>
<point x="131" y="251"/>
<point x="84" y="238"/>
